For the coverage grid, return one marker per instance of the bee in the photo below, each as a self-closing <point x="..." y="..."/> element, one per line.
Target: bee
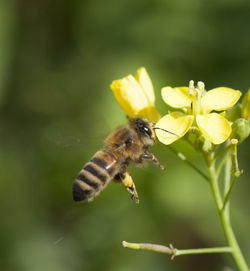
<point x="126" y="144"/>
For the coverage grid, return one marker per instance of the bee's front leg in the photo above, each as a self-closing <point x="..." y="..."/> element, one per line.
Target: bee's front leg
<point x="150" y="156"/>
<point x="127" y="181"/>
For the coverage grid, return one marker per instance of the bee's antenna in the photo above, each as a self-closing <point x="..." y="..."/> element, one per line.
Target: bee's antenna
<point x="158" y="128"/>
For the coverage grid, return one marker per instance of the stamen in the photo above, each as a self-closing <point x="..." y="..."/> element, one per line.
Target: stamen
<point x="201" y="86"/>
<point x="199" y="89"/>
<point x="191" y="88"/>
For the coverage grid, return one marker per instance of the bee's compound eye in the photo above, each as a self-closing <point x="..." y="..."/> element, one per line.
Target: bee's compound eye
<point x="146" y="130"/>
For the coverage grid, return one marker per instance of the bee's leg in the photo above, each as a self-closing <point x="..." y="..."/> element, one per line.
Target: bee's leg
<point x="121" y="175"/>
<point x="150" y="156"/>
<point x="127" y="181"/>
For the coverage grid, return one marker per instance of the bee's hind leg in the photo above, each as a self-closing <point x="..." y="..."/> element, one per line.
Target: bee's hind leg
<point x="127" y="181"/>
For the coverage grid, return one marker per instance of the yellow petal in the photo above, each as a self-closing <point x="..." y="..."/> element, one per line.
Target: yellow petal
<point x="150" y="113"/>
<point x="129" y="95"/>
<point x="144" y="80"/>
<point x="176" y="97"/>
<point x="214" y="126"/>
<point x="221" y="98"/>
<point x="175" y="122"/>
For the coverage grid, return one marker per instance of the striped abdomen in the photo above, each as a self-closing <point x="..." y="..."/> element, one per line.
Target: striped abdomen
<point x="94" y="176"/>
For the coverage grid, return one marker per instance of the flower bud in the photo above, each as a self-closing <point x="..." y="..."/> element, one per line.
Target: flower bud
<point x="240" y="129"/>
<point x="245" y="111"/>
<point x="234" y="113"/>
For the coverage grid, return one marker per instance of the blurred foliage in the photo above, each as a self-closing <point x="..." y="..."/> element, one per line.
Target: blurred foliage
<point x="57" y="61"/>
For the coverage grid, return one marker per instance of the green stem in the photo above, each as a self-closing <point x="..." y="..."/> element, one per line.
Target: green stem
<point x="227" y="186"/>
<point x="231" y="166"/>
<point x="223" y="160"/>
<point x="224" y="217"/>
<point x="226" y="148"/>
<point x="235" y="164"/>
<point x="204" y="250"/>
<point x="174" y="251"/>
<point x="228" y="192"/>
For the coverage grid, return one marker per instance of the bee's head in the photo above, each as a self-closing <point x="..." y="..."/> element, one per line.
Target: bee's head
<point x="144" y="130"/>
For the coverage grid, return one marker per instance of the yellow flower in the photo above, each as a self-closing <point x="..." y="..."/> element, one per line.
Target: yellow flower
<point x="135" y="94"/>
<point x="197" y="106"/>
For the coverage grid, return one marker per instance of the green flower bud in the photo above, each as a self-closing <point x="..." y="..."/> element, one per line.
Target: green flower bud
<point x="234" y="113"/>
<point x="245" y="111"/>
<point x="240" y="129"/>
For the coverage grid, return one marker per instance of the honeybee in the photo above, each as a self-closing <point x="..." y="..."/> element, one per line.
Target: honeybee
<point x="126" y="144"/>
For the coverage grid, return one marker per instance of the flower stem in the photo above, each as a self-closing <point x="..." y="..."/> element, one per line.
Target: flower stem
<point x="174" y="251"/>
<point x="235" y="164"/>
<point x="223" y="160"/>
<point x="224" y="216"/>
<point x="208" y="250"/>
<point x="228" y="192"/>
<point x="228" y="185"/>
<point x="226" y="148"/>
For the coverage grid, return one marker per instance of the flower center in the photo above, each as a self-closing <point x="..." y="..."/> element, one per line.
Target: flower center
<point x="196" y="93"/>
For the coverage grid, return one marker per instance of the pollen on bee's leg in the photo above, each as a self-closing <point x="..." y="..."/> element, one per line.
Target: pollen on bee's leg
<point x="127" y="180"/>
<point x="130" y="186"/>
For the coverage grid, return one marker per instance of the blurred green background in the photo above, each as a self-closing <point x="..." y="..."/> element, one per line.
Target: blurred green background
<point x="57" y="59"/>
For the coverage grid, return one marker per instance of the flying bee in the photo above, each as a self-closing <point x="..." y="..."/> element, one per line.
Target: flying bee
<point x="126" y="144"/>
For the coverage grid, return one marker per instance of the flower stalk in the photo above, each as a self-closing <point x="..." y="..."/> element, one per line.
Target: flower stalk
<point x="224" y="216"/>
<point x="173" y="252"/>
